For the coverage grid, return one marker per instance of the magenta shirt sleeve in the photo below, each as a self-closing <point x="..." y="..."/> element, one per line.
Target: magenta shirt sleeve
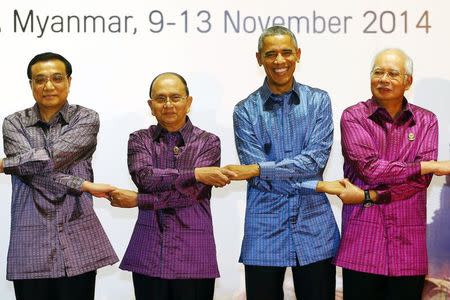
<point x="419" y="183"/>
<point x="360" y="150"/>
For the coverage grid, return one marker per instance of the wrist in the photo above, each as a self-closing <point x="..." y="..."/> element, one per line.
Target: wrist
<point x="85" y="186"/>
<point x="255" y="170"/>
<point x="320" y="187"/>
<point x="427" y="167"/>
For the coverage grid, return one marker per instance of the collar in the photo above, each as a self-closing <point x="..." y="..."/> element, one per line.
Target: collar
<point x="266" y="94"/>
<point x="34" y="116"/>
<point x="185" y="131"/>
<point x="376" y="110"/>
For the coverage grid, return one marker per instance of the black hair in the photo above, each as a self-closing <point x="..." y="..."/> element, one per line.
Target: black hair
<point x="46" y="56"/>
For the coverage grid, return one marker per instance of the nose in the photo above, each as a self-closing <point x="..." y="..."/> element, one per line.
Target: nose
<point x="168" y="103"/>
<point x="385" y="77"/>
<point x="279" y="58"/>
<point x="49" y="84"/>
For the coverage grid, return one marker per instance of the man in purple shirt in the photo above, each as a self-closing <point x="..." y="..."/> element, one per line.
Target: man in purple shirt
<point x="174" y="164"/>
<point x="389" y="147"/>
<point x="57" y="241"/>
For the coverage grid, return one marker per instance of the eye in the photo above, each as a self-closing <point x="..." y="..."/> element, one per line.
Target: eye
<point x="287" y="53"/>
<point x="40" y="80"/>
<point x="176" y="98"/>
<point x="393" y="74"/>
<point x="160" y="99"/>
<point x="378" y="72"/>
<point x="57" y="78"/>
<point x="270" y="55"/>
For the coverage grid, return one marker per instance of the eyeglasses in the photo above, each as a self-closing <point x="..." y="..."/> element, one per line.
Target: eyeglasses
<point x="391" y="74"/>
<point x="56" y="78"/>
<point x="161" y="99"/>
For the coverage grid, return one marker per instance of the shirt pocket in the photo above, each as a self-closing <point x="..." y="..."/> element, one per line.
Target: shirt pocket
<point x="30" y="250"/>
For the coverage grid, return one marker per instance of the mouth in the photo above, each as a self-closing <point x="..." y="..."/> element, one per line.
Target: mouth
<point x="280" y="70"/>
<point x="384" y="89"/>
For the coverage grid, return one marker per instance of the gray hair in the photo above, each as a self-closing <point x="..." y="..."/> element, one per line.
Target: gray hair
<point x="275" y="30"/>
<point x="408" y="61"/>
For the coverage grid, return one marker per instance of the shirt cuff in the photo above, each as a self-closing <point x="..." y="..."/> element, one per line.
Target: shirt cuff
<point x="185" y="180"/>
<point x="383" y="196"/>
<point x="310" y="184"/>
<point x="267" y="170"/>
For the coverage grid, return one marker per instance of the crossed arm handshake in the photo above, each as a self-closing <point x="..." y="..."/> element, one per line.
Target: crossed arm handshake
<point x="221" y="176"/>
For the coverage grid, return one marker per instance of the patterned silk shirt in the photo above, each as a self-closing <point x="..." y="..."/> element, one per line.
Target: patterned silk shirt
<point x="384" y="154"/>
<point x="290" y="137"/>
<point x="173" y="236"/>
<point x="54" y="229"/>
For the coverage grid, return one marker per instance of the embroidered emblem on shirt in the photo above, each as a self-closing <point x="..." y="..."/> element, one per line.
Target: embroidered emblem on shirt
<point x="411" y="136"/>
<point x="176" y="150"/>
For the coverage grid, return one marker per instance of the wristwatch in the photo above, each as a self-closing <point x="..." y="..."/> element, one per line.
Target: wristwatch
<point x="367" y="201"/>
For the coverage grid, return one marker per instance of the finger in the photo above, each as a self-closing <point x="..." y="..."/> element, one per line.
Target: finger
<point x="229" y="173"/>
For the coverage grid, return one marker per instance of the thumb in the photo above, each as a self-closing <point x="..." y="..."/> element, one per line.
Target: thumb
<point x="229" y="173"/>
<point x="345" y="182"/>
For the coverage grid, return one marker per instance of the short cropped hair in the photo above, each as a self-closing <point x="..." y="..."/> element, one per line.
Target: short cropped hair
<point x="275" y="30"/>
<point x="169" y="73"/>
<point x="46" y="56"/>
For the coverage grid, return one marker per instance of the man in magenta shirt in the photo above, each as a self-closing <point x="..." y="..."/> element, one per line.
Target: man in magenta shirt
<point x="390" y="147"/>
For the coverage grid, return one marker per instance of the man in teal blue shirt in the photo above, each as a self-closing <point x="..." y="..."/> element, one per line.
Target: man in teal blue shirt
<point x="283" y="134"/>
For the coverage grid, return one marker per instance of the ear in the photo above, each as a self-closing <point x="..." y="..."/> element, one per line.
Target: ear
<point x="149" y="102"/>
<point x="409" y="81"/>
<point x="69" y="80"/>
<point x="188" y="103"/>
<point x="298" y="53"/>
<point x="258" y="58"/>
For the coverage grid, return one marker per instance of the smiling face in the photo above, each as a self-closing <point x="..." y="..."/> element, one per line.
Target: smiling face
<point x="389" y="81"/>
<point x="49" y="84"/>
<point x="279" y="57"/>
<point x="170" y="114"/>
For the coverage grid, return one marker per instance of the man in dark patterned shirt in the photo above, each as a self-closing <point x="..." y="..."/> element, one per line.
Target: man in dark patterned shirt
<point x="174" y="164"/>
<point x="57" y="241"/>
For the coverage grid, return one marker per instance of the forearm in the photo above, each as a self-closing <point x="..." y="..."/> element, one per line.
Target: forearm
<point x="172" y="199"/>
<point x="55" y="186"/>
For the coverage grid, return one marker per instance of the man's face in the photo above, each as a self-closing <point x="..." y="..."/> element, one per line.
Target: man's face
<point x="170" y="114"/>
<point x="388" y="81"/>
<point x="50" y="84"/>
<point x="279" y="57"/>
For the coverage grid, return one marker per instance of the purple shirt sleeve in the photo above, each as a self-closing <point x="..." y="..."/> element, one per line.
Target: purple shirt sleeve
<point x="76" y="141"/>
<point x="168" y="188"/>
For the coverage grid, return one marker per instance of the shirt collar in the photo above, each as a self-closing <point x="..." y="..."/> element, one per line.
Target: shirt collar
<point x="185" y="131"/>
<point x="266" y="94"/>
<point x="34" y="115"/>
<point x="406" y="113"/>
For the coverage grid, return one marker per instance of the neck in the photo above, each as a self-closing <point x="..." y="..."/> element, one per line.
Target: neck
<point x="392" y="107"/>
<point x="278" y="89"/>
<point x="173" y="127"/>
<point x="47" y="114"/>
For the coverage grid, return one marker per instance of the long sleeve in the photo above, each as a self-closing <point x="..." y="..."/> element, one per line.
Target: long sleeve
<point x="54" y="186"/>
<point x="359" y="148"/>
<point x="76" y="141"/>
<point x="289" y="174"/>
<point x="168" y="187"/>
<point x="419" y="183"/>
